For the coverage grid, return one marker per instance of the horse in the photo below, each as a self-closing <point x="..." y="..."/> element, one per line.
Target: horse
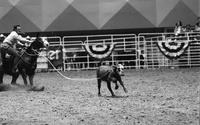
<point x="26" y="64"/>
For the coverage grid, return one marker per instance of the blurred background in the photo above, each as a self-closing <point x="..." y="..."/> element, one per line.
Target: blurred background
<point x="77" y="15"/>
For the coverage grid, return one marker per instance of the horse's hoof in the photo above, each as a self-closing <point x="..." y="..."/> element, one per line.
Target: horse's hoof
<point x="35" y="88"/>
<point x="14" y="83"/>
<point x="113" y="96"/>
<point x="4" y="87"/>
<point x="42" y="88"/>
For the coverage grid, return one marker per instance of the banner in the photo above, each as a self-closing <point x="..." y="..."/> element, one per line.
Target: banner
<point x="173" y="49"/>
<point x="55" y="55"/>
<point x="99" y="51"/>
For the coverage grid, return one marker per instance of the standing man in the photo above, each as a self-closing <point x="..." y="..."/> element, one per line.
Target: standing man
<point x="8" y="45"/>
<point x="197" y="25"/>
<point x="178" y="28"/>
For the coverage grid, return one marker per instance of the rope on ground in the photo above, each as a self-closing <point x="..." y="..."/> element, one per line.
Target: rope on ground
<point x="68" y="78"/>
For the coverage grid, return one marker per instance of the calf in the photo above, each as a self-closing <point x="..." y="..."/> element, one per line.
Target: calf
<point x="110" y="74"/>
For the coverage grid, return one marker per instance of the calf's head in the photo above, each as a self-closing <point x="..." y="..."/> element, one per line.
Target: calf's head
<point x="119" y="69"/>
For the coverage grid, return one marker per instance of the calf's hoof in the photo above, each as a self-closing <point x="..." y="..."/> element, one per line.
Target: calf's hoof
<point x="125" y="90"/>
<point x="113" y="95"/>
<point x="116" y="87"/>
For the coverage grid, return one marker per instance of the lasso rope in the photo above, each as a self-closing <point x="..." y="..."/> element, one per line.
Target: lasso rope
<point x="68" y="78"/>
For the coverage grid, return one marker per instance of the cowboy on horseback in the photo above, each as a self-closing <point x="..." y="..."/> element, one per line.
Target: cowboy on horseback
<point x="8" y="45"/>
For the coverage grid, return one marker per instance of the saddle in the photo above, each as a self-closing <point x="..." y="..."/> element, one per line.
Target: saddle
<point x="8" y="61"/>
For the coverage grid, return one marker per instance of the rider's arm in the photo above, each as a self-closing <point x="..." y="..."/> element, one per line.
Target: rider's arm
<point x="19" y="43"/>
<point x="20" y="38"/>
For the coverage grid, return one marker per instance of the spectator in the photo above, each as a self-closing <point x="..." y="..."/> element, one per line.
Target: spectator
<point x="178" y="28"/>
<point x="197" y="25"/>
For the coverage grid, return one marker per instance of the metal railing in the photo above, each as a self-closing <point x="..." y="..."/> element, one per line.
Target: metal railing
<point x="134" y="51"/>
<point x="76" y="58"/>
<point x="153" y="58"/>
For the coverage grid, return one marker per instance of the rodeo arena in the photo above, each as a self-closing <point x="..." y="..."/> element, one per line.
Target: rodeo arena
<point x="105" y="65"/>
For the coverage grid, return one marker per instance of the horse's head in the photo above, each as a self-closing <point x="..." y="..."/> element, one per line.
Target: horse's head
<point x="39" y="43"/>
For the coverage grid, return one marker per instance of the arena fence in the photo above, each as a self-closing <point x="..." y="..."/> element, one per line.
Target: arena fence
<point x="153" y="58"/>
<point x="134" y="51"/>
<point x="76" y="58"/>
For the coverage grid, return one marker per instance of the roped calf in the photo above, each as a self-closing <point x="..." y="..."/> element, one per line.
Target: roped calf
<point x="110" y="74"/>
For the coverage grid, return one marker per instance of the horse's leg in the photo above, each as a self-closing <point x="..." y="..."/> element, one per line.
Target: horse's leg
<point x="1" y="74"/>
<point x="14" y="78"/>
<point x="31" y="79"/>
<point x="24" y="76"/>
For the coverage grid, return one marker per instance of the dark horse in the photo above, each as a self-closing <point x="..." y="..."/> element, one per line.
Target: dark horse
<point x="27" y="63"/>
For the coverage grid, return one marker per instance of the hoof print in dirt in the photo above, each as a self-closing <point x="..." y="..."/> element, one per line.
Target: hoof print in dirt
<point x="36" y="88"/>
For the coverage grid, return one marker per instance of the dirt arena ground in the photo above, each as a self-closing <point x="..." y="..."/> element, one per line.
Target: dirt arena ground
<point x="155" y="97"/>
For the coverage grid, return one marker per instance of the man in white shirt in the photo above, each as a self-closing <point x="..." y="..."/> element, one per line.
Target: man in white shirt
<point x="178" y="28"/>
<point x="197" y="25"/>
<point x="8" y="45"/>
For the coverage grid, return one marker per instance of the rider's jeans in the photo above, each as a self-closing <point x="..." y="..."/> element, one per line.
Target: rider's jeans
<point x="6" y="48"/>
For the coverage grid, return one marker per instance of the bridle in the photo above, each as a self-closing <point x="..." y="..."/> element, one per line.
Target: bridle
<point x="36" y="53"/>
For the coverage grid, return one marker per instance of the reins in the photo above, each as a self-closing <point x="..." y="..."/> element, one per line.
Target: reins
<point x="35" y="53"/>
<point x="25" y="52"/>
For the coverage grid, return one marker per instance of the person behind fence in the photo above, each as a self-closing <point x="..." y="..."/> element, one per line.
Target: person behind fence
<point x="178" y="28"/>
<point x="197" y="25"/>
<point x="10" y="41"/>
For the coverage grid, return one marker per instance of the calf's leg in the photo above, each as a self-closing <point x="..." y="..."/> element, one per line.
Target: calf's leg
<point x="116" y="85"/>
<point x="109" y="88"/>
<point x="122" y="84"/>
<point x="99" y="87"/>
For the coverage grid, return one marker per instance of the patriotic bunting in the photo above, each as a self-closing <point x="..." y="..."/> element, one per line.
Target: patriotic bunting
<point x="173" y="49"/>
<point x="99" y="51"/>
